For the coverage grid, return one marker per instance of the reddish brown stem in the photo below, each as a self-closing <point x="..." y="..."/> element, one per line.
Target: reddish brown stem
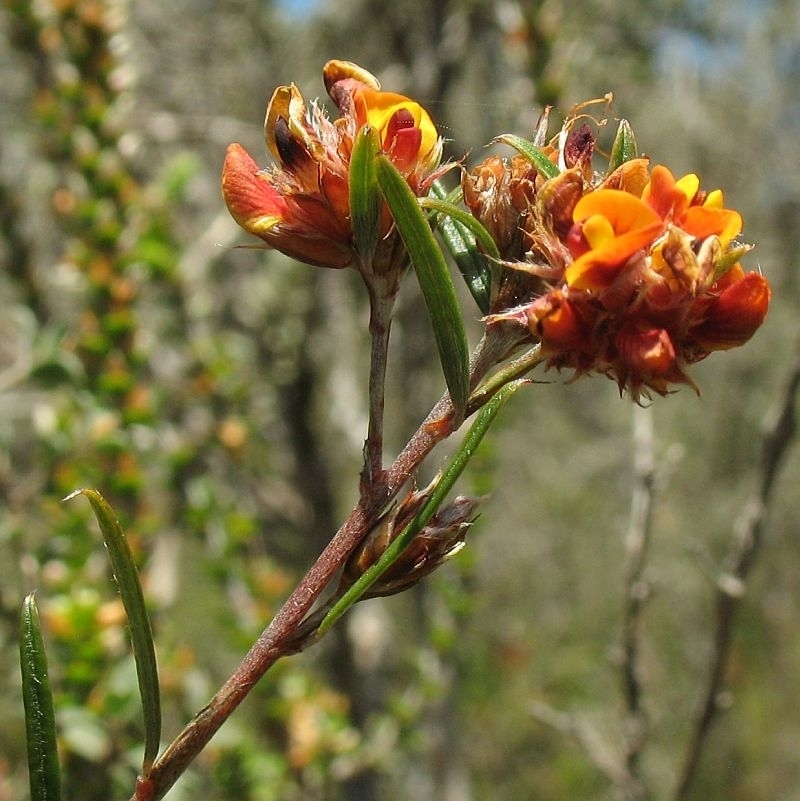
<point x="290" y="631"/>
<point x="278" y="639"/>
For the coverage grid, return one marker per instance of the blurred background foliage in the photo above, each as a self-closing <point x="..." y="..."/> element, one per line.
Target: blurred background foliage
<point x="215" y="395"/>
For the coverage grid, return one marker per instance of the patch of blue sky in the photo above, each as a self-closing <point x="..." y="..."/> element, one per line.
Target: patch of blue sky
<point x="299" y="8"/>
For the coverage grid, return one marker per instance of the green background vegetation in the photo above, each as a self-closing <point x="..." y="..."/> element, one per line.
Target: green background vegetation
<point x="215" y="395"/>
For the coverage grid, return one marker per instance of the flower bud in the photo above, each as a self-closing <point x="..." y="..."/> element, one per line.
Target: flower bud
<point x="733" y="316"/>
<point x="441" y="538"/>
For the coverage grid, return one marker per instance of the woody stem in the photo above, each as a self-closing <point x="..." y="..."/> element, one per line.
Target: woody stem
<point x="292" y="628"/>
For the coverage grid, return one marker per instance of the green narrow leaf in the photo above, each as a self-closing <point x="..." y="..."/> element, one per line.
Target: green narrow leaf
<point x="463" y="217"/>
<point x="624" y="147"/>
<point x="454" y="196"/>
<point x="434" y="280"/>
<point x="470" y="261"/>
<point x="462" y="245"/>
<point x="365" y="197"/>
<point x="473" y="264"/>
<point x="534" y="154"/>
<point x="40" y="722"/>
<point x="452" y="473"/>
<point x="439" y="191"/>
<point x="130" y="589"/>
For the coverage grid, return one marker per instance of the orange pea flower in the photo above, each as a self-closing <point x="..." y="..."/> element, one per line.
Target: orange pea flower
<point x="613" y="225"/>
<point x="610" y="227"/>
<point x="682" y="203"/>
<point x="300" y="206"/>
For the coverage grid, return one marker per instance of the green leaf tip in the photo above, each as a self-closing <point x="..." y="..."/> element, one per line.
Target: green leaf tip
<point x="365" y="197"/>
<point x="126" y="575"/>
<point x="624" y="147"/>
<point x="37" y="698"/>
<point x="535" y="155"/>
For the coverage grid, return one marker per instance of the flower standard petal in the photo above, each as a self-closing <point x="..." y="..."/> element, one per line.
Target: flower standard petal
<point x="286" y="131"/>
<point x="664" y="195"/>
<point x="616" y="225"/>
<point x="599" y="267"/>
<point x="341" y="76"/>
<point x="689" y="184"/>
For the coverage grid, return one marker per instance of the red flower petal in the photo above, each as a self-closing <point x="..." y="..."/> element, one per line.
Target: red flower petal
<point x="734" y="315"/>
<point x="249" y="194"/>
<point x="664" y="195"/>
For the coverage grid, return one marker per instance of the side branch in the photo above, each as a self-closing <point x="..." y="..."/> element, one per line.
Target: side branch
<point x="637" y="591"/>
<point x="779" y="433"/>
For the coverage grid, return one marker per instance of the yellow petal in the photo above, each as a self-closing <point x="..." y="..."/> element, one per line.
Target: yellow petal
<point x="381" y="107"/>
<point x="599" y="267"/>
<point x="597" y="230"/>
<point x="664" y="195"/>
<point x="702" y="221"/>
<point x="624" y="211"/>
<point x="689" y="185"/>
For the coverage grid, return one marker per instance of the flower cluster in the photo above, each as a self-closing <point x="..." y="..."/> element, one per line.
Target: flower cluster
<point x="637" y="273"/>
<point x="628" y="272"/>
<point x="300" y="206"/>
